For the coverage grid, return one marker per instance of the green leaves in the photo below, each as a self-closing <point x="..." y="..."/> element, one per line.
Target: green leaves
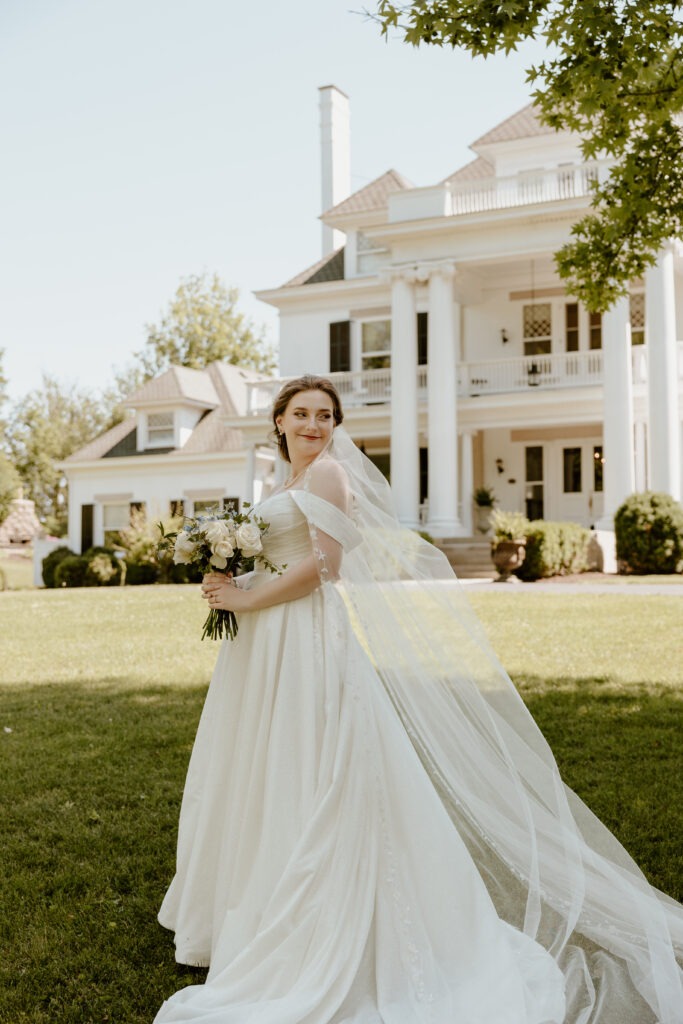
<point x="614" y="75"/>
<point x="201" y="325"/>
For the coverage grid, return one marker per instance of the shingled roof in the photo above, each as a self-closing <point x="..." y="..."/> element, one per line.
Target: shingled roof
<point x="329" y="268"/>
<point x="177" y="384"/>
<point x="475" y="170"/>
<point x="522" y="125"/>
<point x="373" y="196"/>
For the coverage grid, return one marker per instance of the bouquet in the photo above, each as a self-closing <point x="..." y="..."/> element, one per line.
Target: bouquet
<point x="215" y="541"/>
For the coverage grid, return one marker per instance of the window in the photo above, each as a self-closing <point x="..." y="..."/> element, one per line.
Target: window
<point x="571" y="327"/>
<point x="206" y="505"/>
<point x="160" y="433"/>
<point x="114" y="519"/>
<point x="571" y="470"/>
<point x="533" y="459"/>
<point x="340" y="346"/>
<point x="422" y="333"/>
<point x="369" y="254"/>
<point x="375" y="344"/>
<point x="231" y="504"/>
<point x="595" y="330"/>
<point x="598" y="464"/>
<point x="86" y="527"/>
<point x="537" y="329"/>
<point x="637" y="307"/>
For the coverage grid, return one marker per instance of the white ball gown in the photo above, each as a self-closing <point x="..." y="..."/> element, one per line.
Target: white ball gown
<point x="363" y="839"/>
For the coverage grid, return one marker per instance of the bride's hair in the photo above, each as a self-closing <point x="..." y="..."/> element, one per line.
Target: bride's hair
<point x="309" y="382"/>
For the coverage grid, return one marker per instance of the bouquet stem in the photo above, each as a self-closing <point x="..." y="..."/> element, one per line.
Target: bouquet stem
<point x="220" y="623"/>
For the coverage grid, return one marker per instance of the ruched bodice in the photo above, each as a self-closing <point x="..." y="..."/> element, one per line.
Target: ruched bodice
<point x="288" y="539"/>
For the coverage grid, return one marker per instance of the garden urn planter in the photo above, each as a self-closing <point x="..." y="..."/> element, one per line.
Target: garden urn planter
<point x="507" y="555"/>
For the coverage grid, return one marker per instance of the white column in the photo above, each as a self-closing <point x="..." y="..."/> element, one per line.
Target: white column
<point x="662" y="377"/>
<point x="467" y="475"/>
<point x="405" y="456"/>
<point x="641" y="455"/>
<point x="250" y="471"/>
<point x="619" y="479"/>
<point x="444" y="321"/>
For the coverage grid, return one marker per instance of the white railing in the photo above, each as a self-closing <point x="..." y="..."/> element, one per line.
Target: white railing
<point x="525" y="188"/>
<point x="484" y="377"/>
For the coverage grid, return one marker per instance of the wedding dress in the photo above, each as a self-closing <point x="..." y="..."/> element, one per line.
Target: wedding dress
<point x="374" y="831"/>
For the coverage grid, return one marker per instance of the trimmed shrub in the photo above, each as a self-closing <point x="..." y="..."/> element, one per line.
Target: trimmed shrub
<point x="50" y="563"/>
<point x="104" y="568"/>
<point x="139" y="573"/>
<point x="554" y="549"/>
<point x="649" y="534"/>
<point x="71" y="571"/>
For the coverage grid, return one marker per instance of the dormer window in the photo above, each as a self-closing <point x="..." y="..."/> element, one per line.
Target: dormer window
<point x="160" y="430"/>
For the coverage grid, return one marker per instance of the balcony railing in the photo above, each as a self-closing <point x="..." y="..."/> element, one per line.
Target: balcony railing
<point x="526" y="188"/>
<point x="475" y="379"/>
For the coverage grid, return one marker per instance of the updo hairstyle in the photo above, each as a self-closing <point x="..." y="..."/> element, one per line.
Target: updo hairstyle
<point x="309" y="382"/>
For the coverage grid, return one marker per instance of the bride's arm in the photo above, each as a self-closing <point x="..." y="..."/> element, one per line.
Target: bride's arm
<point x="322" y="565"/>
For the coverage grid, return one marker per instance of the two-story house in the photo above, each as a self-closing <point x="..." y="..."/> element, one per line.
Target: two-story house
<point x="460" y="357"/>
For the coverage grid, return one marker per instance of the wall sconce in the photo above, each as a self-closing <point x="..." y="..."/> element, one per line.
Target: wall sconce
<point x="504" y="337"/>
<point x="500" y="466"/>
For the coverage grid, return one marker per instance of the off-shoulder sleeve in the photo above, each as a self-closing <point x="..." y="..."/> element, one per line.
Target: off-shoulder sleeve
<point x="325" y="502"/>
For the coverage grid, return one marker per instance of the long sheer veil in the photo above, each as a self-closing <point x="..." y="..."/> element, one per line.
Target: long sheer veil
<point x="552" y="869"/>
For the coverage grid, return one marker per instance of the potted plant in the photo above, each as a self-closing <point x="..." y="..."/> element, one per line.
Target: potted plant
<point x="508" y="546"/>
<point x="484" y="500"/>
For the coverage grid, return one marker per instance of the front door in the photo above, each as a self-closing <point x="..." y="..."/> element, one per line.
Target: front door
<point x="578" y="492"/>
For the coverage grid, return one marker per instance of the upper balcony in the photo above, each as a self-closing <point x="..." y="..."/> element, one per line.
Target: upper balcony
<point x="457" y="198"/>
<point x="525" y="374"/>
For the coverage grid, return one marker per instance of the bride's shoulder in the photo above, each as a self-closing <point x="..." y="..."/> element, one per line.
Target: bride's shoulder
<point x="328" y="480"/>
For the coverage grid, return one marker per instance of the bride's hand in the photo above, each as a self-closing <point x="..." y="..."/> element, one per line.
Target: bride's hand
<point x="222" y="592"/>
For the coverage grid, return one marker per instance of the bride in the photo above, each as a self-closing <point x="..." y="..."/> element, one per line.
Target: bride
<point x="373" y="829"/>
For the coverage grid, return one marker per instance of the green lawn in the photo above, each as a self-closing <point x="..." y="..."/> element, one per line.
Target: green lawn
<point x="102" y="690"/>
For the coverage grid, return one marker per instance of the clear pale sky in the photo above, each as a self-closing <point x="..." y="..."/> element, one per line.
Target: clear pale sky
<point x="144" y="140"/>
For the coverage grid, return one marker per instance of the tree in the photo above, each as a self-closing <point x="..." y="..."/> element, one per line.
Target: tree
<point x="202" y="325"/>
<point x="9" y="478"/>
<point x="615" y="76"/>
<point x="46" y="426"/>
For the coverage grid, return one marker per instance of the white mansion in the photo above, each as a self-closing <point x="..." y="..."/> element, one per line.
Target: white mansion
<point x="460" y="358"/>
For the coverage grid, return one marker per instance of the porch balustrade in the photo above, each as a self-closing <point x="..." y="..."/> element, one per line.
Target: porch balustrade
<point x="484" y="377"/>
<point x="525" y="188"/>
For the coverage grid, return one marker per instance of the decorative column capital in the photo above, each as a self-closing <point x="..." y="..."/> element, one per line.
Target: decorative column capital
<point x="438" y="268"/>
<point x="399" y="272"/>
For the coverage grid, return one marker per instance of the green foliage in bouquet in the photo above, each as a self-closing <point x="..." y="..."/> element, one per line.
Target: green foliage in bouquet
<point x="649" y="534"/>
<point x="217" y="542"/>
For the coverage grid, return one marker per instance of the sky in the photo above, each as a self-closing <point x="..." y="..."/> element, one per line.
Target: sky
<point x="147" y="140"/>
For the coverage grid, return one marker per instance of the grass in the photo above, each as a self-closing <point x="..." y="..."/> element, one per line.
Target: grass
<point x="102" y="692"/>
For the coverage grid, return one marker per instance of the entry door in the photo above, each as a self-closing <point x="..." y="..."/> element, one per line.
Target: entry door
<point x="580" y="481"/>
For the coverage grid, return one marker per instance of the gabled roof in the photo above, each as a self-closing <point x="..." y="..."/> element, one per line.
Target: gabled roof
<point x="371" y="197"/>
<point x="103" y="444"/>
<point x="178" y="384"/>
<point x="522" y="125"/>
<point x="475" y="170"/>
<point x="329" y="268"/>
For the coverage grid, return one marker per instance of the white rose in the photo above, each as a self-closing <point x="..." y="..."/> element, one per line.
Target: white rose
<point x="213" y="531"/>
<point x="183" y="550"/>
<point x="223" y="548"/>
<point x="248" y="539"/>
<point x="218" y="561"/>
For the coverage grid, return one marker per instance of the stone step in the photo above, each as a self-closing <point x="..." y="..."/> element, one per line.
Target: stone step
<point x="470" y="557"/>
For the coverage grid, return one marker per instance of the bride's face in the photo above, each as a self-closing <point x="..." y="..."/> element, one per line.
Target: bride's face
<point x="307" y="422"/>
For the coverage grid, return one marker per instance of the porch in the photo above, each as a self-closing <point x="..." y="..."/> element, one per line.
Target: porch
<point x="474" y="379"/>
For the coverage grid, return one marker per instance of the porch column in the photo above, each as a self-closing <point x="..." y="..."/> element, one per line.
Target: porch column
<point x="444" y="323"/>
<point x="618" y="410"/>
<point x="467" y="474"/>
<point x="662" y="377"/>
<point x="640" y="453"/>
<point x="405" y="454"/>
<point x="250" y="471"/>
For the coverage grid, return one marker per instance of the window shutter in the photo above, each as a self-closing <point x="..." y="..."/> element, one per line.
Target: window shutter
<point x="422" y="332"/>
<point x="340" y="346"/>
<point x="86" y="527"/>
